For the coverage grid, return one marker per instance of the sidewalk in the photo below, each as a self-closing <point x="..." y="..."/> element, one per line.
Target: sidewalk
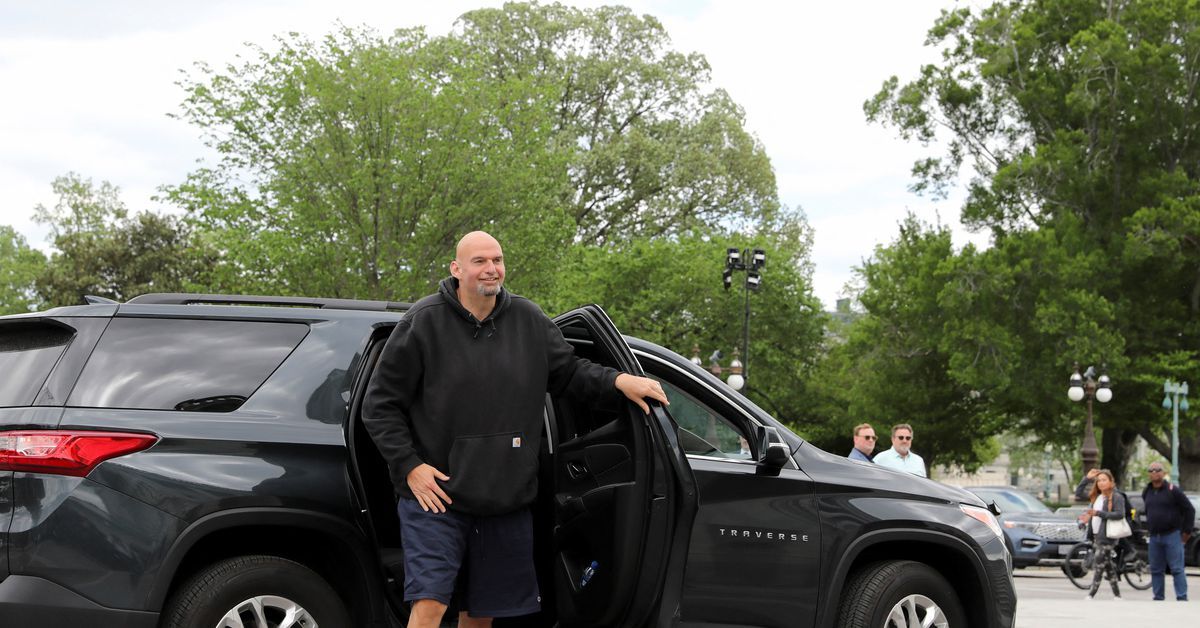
<point x="1105" y="611"/>
<point x="1046" y="599"/>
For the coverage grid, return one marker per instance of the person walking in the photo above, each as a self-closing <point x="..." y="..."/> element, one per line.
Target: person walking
<point x="864" y="442"/>
<point x="455" y="408"/>
<point x="901" y="455"/>
<point x="1108" y="506"/>
<point x="1169" y="519"/>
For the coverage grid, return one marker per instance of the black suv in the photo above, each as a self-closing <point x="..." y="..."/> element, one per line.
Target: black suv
<point x="198" y="460"/>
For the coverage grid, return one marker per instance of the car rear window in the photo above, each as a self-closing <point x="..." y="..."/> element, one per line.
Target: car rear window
<point x="183" y="364"/>
<point x="28" y="352"/>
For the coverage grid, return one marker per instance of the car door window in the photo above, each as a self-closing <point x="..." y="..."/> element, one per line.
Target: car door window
<point x="193" y="365"/>
<point x="702" y="431"/>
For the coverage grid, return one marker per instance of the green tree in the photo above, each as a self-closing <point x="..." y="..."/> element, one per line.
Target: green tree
<point x="898" y="368"/>
<point x="668" y="290"/>
<point x="651" y="150"/>
<point x="349" y="166"/>
<point x="1079" y="119"/>
<point x="20" y="264"/>
<point x="101" y="250"/>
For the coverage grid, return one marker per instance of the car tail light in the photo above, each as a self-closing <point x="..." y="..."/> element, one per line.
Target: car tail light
<point x="66" y="452"/>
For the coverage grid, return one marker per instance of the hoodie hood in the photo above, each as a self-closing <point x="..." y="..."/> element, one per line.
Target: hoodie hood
<point x="448" y="290"/>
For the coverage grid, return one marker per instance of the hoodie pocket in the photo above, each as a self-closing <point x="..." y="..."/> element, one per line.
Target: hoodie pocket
<point x="492" y="474"/>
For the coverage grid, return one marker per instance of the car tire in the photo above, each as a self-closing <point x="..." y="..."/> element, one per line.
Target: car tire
<point x="258" y="590"/>
<point x="899" y="594"/>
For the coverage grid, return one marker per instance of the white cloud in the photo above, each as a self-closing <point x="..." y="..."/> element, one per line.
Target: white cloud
<point x="89" y="90"/>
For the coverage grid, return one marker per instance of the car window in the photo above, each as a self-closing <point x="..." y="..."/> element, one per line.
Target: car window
<point x="702" y="431"/>
<point x="1013" y="501"/>
<point x="28" y="352"/>
<point x="182" y="364"/>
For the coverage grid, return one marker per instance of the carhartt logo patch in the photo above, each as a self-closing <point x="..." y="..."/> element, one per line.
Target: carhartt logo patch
<point x="517" y="441"/>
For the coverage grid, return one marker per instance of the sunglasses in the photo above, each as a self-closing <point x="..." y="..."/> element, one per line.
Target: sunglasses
<point x="1153" y="470"/>
<point x="902" y="437"/>
<point x="868" y="436"/>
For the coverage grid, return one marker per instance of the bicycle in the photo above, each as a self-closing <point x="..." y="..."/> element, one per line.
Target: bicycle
<point x="1081" y="560"/>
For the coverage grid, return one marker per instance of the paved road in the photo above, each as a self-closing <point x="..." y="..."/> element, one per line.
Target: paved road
<point x="1046" y="599"/>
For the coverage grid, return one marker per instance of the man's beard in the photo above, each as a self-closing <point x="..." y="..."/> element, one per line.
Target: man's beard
<point x="487" y="291"/>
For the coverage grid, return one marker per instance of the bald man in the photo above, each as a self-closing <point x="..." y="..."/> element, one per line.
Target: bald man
<point x="455" y="407"/>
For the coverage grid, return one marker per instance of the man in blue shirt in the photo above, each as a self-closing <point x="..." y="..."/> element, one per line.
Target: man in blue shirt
<point x="901" y="456"/>
<point x="864" y="442"/>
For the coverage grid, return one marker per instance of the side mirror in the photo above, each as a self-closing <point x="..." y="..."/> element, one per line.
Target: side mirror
<point x="773" y="453"/>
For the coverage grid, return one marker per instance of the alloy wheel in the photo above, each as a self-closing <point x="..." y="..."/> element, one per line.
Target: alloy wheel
<point x="267" y="611"/>
<point x="916" y="611"/>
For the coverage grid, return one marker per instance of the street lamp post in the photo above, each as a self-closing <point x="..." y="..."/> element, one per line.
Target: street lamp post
<point x="751" y="261"/>
<point x="1175" y="399"/>
<point x="1087" y="385"/>
<point x="735" y="371"/>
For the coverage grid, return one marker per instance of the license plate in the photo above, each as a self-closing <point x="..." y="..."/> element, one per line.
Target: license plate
<point x="1064" y="549"/>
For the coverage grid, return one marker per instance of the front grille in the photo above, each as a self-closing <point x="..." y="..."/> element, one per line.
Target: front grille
<point x="1059" y="531"/>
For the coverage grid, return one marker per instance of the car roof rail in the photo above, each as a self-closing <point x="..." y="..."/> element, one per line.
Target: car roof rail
<point x="92" y="299"/>
<point x="179" y="298"/>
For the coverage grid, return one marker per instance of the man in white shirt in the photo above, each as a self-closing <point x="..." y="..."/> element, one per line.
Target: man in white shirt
<point x="901" y="456"/>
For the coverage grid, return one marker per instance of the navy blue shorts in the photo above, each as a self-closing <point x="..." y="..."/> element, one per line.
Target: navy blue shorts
<point x="483" y="563"/>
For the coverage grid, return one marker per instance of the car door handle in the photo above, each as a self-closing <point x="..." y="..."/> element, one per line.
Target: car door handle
<point x="576" y="470"/>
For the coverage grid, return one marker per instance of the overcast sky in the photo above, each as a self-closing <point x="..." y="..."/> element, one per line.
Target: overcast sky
<point x="86" y="87"/>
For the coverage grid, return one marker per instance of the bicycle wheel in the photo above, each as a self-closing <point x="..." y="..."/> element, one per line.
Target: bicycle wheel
<point x="1137" y="573"/>
<point x="1078" y="564"/>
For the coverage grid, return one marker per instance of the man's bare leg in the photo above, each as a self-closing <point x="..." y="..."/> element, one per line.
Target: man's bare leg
<point x="426" y="614"/>
<point x="466" y="621"/>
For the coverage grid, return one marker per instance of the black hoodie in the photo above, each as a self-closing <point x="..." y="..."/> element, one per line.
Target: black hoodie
<point x="466" y="396"/>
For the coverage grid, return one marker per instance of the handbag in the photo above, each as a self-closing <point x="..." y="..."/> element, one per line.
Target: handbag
<point x="1118" y="529"/>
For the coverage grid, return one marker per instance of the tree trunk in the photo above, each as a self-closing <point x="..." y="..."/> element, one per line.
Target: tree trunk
<point x="1189" y="471"/>
<point x="1116" y="446"/>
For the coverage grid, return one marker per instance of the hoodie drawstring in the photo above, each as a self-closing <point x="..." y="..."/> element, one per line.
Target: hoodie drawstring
<point x="491" y="332"/>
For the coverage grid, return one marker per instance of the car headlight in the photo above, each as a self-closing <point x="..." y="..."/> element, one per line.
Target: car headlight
<point x="984" y="516"/>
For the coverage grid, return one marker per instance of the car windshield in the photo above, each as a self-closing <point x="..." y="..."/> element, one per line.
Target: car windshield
<point x="1013" y="501"/>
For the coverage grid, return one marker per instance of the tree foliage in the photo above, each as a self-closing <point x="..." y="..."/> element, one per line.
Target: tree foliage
<point x="101" y="250"/>
<point x="1080" y="121"/>
<point x="20" y="264"/>
<point x="651" y="150"/>
<point x="897" y="365"/>
<point x="349" y="166"/>
<point x="669" y="290"/>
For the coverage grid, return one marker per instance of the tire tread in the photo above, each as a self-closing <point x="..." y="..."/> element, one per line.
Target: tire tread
<point x="870" y="583"/>
<point x="204" y="586"/>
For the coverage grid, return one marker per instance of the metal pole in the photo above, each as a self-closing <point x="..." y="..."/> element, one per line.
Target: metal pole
<point x="1089" y="450"/>
<point x="1175" y="435"/>
<point x="746" y="327"/>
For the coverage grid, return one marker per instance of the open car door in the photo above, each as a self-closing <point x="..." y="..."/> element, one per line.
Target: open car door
<point x="624" y="496"/>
